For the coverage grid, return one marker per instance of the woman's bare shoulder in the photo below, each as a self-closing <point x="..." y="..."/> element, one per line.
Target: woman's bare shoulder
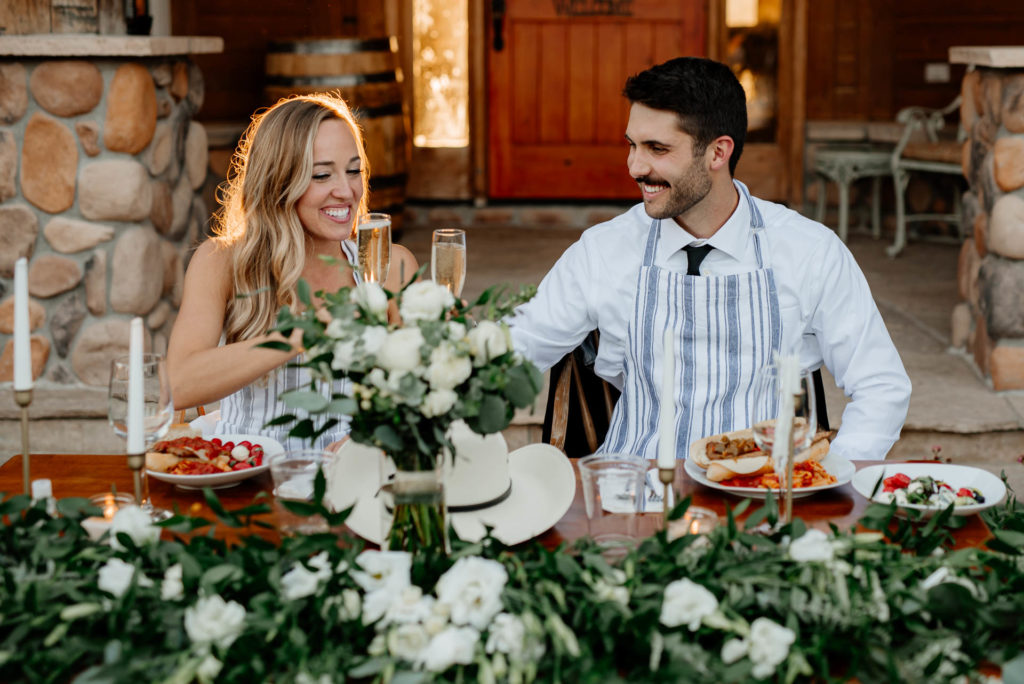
<point x="211" y="263"/>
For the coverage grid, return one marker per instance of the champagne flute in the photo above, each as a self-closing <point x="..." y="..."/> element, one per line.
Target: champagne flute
<point x="766" y="409"/>
<point x="157" y="411"/>
<point x="448" y="259"/>
<point x="373" y="240"/>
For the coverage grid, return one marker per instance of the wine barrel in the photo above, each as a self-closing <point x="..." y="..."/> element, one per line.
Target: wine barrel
<point x="366" y="73"/>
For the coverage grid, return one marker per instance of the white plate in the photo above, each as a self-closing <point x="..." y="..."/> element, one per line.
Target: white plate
<point x="543" y="488"/>
<point x="834" y="464"/>
<point x="270" y="446"/>
<point x="956" y="476"/>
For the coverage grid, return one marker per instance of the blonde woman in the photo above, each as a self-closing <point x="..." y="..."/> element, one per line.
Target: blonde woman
<point x="298" y="182"/>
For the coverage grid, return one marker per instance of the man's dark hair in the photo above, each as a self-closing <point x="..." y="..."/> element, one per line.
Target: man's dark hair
<point x="704" y="94"/>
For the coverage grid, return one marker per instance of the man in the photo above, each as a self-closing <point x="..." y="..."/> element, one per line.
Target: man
<point x="769" y="282"/>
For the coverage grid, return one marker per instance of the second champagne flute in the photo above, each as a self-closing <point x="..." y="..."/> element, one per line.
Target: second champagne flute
<point x="157" y="411"/>
<point x="373" y="239"/>
<point x="448" y="259"/>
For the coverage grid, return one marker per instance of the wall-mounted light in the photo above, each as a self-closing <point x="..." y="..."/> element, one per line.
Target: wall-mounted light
<point x="740" y="13"/>
<point x="440" y="73"/>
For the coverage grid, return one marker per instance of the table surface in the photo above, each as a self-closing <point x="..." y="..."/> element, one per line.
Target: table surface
<point x="85" y="474"/>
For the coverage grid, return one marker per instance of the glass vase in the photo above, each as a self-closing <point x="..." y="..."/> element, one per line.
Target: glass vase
<point x="415" y="512"/>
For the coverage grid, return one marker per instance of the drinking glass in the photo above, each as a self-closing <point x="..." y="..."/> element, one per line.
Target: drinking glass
<point x="448" y="259"/>
<point x="766" y="410"/>
<point x="157" y="411"/>
<point x="373" y="240"/>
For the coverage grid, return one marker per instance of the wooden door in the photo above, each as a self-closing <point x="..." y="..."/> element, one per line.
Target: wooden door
<point x="556" y="113"/>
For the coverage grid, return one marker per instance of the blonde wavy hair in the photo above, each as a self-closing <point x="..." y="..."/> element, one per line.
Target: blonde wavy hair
<point x="257" y="218"/>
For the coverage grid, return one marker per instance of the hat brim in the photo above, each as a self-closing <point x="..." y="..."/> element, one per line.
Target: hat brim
<point x="543" y="488"/>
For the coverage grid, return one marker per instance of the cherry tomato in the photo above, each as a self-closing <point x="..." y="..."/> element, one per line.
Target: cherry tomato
<point x="964" y="491"/>
<point x="257" y="459"/>
<point x="228" y="446"/>
<point x="215" y="440"/>
<point x="246" y="443"/>
<point x="897" y="481"/>
<point x="241" y="466"/>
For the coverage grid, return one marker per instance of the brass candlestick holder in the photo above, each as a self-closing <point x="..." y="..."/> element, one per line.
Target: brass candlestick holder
<point x="136" y="462"/>
<point x="23" y="398"/>
<point x="667" y="477"/>
<point x="788" y="495"/>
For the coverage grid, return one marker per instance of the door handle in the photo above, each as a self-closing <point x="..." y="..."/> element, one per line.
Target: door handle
<point x="498" y="20"/>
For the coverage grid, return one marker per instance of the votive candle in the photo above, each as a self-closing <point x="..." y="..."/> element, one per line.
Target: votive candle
<point x="136" y="437"/>
<point x="22" y="344"/>
<point x="696" y="520"/>
<point x="666" y="420"/>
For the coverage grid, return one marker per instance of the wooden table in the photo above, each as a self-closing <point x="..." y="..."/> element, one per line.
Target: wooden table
<point x="84" y="475"/>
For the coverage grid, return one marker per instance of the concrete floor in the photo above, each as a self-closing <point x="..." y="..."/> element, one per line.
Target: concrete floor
<point x="952" y="407"/>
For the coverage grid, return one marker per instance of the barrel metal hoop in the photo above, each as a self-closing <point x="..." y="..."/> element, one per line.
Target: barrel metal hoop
<point x="395" y="180"/>
<point x="344" y="81"/>
<point x="331" y="45"/>
<point x="394" y="109"/>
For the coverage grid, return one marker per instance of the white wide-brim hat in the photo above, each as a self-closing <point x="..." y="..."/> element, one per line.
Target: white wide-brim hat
<point x="543" y="488"/>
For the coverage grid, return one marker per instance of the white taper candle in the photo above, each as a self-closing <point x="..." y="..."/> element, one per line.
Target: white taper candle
<point x="667" y="418"/>
<point x="787" y="381"/>
<point x="22" y="343"/>
<point x="136" y="392"/>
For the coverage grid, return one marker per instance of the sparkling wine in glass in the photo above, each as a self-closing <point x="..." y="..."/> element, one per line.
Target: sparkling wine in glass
<point x="157" y="411"/>
<point x="766" y="410"/>
<point x="373" y="240"/>
<point x="448" y="259"/>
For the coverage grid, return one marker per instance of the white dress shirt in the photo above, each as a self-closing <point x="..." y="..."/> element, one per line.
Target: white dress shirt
<point x="828" y="314"/>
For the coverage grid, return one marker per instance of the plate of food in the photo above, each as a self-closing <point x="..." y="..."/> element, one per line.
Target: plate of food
<point x="192" y="462"/>
<point x="733" y="463"/>
<point x="930" y="487"/>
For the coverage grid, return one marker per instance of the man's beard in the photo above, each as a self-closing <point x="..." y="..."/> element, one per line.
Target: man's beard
<point x="683" y="194"/>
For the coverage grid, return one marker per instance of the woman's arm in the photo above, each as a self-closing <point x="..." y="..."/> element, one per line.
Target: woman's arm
<point x="200" y="370"/>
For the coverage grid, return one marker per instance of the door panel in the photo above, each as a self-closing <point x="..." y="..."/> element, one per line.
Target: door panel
<point x="557" y="116"/>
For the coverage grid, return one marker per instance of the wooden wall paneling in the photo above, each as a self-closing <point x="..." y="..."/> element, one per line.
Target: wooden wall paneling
<point x="551" y="83"/>
<point x="478" y="97"/>
<point x="821" y="23"/>
<point x="794" y="51"/>
<point x="612" y="108"/>
<point x="582" y="76"/>
<point x="525" y="106"/>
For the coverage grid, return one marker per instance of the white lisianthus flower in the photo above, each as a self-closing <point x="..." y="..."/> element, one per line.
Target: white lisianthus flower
<point x="373" y="338"/>
<point x="343" y="355"/>
<point x="456" y="330"/>
<point x="299" y="582"/>
<point x="370" y="296"/>
<point x="134" y="522"/>
<point x="337" y="328"/>
<point x="382" y="570"/>
<point x="401" y="349"/>
<point x="438" y="402"/>
<point x="488" y="340"/>
<point x="377" y="378"/>
<point x="425" y="301"/>
<point x="472" y="589"/>
<point x="686" y="603"/>
<point x="507" y="634"/>
<point x="351" y="605"/>
<point x="606" y="591"/>
<point x="814" y="545"/>
<point x="378" y="646"/>
<point x="407" y="641"/>
<point x="116" y="576"/>
<point x="448" y="368"/>
<point x="209" y="669"/>
<point x="733" y="650"/>
<point x="214" y="621"/>
<point x="172" y="589"/>
<point x="408" y="606"/>
<point x="453" y="646"/>
<point x="768" y="646"/>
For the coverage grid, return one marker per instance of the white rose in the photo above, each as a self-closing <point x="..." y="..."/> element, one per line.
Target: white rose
<point x="447" y="368"/>
<point x="209" y="669"/>
<point x="456" y="330"/>
<point x="343" y="355"/>
<point x="814" y="545"/>
<point x="134" y="522"/>
<point x="453" y="646"/>
<point x="172" y="589"/>
<point x="382" y="570"/>
<point x="472" y="589"/>
<point x="116" y="576"/>
<point x="606" y="591"/>
<point x="686" y="603"/>
<point x="407" y="641"/>
<point x="488" y="340"/>
<point x="408" y="606"/>
<point x="425" y="301"/>
<point x="373" y="338"/>
<point x="733" y="650"/>
<point x="371" y="297"/>
<point x="401" y="350"/>
<point x="438" y="403"/>
<point x="769" y="646"/>
<point x="337" y="328"/>
<point x="377" y="378"/>
<point x="299" y="582"/>
<point x="506" y="634"/>
<point x="212" y="620"/>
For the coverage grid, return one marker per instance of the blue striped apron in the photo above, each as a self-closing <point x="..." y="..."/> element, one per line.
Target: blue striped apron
<point x="725" y="327"/>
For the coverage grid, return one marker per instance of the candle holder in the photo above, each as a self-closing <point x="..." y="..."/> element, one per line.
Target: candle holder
<point x="109" y="503"/>
<point x="667" y="477"/>
<point x="696" y="521"/>
<point x="137" y="462"/>
<point x="788" y="494"/>
<point x="23" y="398"/>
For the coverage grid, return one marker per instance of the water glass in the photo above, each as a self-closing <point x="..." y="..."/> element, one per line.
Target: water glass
<point x="613" y="491"/>
<point x="448" y="259"/>
<point x="293" y="473"/>
<point x="766" y="409"/>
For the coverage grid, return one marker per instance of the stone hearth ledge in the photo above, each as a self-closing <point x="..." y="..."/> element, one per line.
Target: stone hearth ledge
<point x="94" y="45"/>
<point x="997" y="57"/>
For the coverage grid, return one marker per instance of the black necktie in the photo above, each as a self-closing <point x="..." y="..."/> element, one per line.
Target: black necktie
<point x="695" y="255"/>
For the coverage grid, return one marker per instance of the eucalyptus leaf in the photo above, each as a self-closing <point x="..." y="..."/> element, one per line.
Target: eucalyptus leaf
<point x="306" y="400"/>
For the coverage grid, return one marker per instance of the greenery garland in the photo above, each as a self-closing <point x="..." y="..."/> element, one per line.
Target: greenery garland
<point x="740" y="604"/>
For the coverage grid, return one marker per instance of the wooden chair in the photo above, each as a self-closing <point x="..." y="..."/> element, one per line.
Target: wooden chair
<point x="929" y="144"/>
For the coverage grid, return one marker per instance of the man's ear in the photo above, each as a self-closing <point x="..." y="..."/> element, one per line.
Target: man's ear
<point x="719" y="152"/>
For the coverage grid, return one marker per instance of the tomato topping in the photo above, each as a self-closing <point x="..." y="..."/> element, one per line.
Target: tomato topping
<point x="257" y="459"/>
<point x="897" y="481"/>
<point x="964" y="491"/>
<point x="241" y="466"/>
<point x="215" y="440"/>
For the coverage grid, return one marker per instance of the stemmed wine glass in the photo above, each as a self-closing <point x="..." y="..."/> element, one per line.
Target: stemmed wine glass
<point x="766" y="409"/>
<point x="448" y="259"/>
<point x="373" y="241"/>
<point x="157" y="411"/>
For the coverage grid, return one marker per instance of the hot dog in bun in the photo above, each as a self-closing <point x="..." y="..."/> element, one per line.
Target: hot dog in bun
<point x="735" y="454"/>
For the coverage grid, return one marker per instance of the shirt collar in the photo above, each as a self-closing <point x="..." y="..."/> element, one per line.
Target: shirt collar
<point x="731" y="238"/>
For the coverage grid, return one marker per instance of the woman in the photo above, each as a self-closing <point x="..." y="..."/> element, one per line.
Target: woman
<point x="298" y="182"/>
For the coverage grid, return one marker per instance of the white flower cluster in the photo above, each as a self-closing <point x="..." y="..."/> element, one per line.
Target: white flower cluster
<point x="404" y="364"/>
<point x="436" y="632"/>
<point x="766" y="644"/>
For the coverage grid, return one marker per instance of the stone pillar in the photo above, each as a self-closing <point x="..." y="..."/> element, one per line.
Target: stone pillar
<point x="101" y="175"/>
<point x="989" y="322"/>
